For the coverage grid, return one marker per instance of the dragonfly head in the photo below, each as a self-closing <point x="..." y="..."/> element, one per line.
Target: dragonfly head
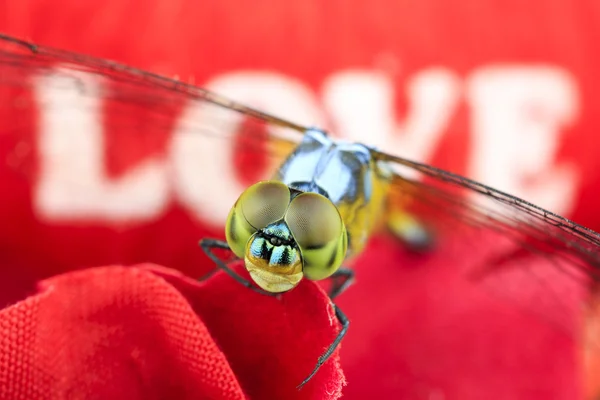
<point x="284" y="235"/>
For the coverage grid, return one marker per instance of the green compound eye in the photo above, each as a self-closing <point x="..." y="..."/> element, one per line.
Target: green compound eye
<point x="320" y="233"/>
<point x="258" y="206"/>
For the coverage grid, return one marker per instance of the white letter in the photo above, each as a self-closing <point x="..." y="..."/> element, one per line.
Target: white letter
<point x="362" y="106"/>
<point x="72" y="182"/>
<point x="517" y="117"/>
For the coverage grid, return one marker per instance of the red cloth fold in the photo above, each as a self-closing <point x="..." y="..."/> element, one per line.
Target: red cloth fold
<point x="150" y="332"/>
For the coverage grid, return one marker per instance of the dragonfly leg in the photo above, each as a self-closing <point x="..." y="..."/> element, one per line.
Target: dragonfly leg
<point x="208" y="245"/>
<point x="342" y="279"/>
<point x="341" y="317"/>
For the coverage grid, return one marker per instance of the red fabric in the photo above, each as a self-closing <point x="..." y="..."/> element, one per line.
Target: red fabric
<point x="419" y="330"/>
<point x="146" y="332"/>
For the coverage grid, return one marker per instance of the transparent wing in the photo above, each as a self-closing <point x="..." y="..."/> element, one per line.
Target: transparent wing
<point x="545" y="263"/>
<point x="52" y="90"/>
<point x="26" y="57"/>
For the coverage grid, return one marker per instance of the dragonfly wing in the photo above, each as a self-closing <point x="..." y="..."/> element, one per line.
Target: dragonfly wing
<point x="22" y="54"/>
<point x="547" y="264"/>
<point x="144" y="117"/>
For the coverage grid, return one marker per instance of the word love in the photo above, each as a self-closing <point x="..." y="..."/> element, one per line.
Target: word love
<point x="516" y="113"/>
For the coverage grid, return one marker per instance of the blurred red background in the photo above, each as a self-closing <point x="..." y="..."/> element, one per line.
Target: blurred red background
<point x="504" y="92"/>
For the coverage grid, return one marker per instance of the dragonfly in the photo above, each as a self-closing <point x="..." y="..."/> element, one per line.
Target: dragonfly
<point x="326" y="198"/>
